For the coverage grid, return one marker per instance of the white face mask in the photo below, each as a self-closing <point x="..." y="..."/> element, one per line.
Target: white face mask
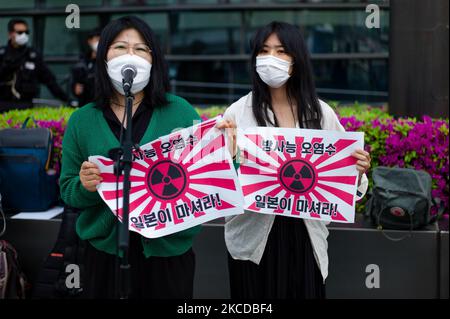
<point x="143" y="67"/>
<point x="272" y="70"/>
<point x="21" y="39"/>
<point x="94" y="46"/>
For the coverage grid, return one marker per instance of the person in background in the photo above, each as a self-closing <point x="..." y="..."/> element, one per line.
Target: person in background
<point x="22" y="69"/>
<point x="83" y="73"/>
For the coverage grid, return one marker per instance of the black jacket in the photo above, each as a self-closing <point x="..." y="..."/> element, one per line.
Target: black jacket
<point x="84" y="73"/>
<point x="21" y="71"/>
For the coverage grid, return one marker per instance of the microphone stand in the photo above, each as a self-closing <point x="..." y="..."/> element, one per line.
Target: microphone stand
<point x="123" y="286"/>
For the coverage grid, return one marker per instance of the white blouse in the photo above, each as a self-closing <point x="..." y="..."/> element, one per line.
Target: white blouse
<point x="246" y="234"/>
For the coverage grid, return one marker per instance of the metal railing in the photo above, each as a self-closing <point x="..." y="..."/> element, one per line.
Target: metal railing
<point x="231" y="94"/>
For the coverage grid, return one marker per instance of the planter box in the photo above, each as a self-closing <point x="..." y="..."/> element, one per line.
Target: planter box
<point x="416" y="267"/>
<point x="405" y="269"/>
<point x="444" y="265"/>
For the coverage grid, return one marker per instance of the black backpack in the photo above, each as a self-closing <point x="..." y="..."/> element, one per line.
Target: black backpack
<point x="68" y="249"/>
<point x="401" y="198"/>
<point x="13" y="282"/>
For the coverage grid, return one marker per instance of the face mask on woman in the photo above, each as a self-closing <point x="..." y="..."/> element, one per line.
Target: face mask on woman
<point x="272" y="70"/>
<point x="143" y="67"/>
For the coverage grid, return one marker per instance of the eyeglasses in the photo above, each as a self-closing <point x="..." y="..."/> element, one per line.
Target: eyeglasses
<point x="21" y="32"/>
<point x="140" y="49"/>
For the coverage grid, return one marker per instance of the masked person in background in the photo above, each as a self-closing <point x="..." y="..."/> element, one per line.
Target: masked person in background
<point x="277" y="256"/>
<point x="83" y="73"/>
<point x="161" y="267"/>
<point x="22" y="70"/>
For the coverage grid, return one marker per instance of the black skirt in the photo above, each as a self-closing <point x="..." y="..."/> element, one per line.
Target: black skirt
<point x="150" y="278"/>
<point x="287" y="269"/>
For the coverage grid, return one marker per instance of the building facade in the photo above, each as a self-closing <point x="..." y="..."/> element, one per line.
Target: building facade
<point x="206" y="42"/>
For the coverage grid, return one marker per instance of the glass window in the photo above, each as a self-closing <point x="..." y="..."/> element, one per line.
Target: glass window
<point x="142" y="2"/>
<point x="223" y="82"/>
<point x="62" y="73"/>
<point x="205" y="33"/>
<point x="157" y="21"/>
<point x="17" y="4"/>
<point x="80" y="3"/>
<point x="352" y="80"/>
<point x="305" y="1"/>
<point x="212" y="2"/>
<point x="210" y="82"/>
<point x="59" y="40"/>
<point x="205" y="2"/>
<point x="328" y="31"/>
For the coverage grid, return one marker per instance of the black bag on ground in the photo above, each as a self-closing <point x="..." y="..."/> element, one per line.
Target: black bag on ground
<point x="13" y="283"/>
<point x="68" y="249"/>
<point x="26" y="182"/>
<point x="401" y="198"/>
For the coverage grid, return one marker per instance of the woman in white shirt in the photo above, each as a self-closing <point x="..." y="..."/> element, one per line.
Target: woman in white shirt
<point x="276" y="256"/>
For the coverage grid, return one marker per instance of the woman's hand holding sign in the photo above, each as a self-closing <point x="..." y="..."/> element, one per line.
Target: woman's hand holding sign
<point x="230" y="129"/>
<point x="363" y="163"/>
<point x="90" y="176"/>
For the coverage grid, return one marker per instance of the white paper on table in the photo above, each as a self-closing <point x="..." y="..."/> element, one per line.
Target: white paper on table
<point x="44" y="215"/>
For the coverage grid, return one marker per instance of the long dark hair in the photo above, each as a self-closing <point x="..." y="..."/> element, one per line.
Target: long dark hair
<point x="300" y="86"/>
<point x="155" y="91"/>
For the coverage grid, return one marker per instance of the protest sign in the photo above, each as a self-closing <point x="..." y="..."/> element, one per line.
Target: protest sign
<point x="177" y="181"/>
<point x="300" y="172"/>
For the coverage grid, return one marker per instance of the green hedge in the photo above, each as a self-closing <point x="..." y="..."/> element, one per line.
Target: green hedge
<point x="405" y="142"/>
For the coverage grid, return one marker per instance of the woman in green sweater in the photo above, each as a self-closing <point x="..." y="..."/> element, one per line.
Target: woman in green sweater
<point x="162" y="267"/>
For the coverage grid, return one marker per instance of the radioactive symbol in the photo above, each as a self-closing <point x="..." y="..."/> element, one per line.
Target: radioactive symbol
<point x="297" y="176"/>
<point x="166" y="180"/>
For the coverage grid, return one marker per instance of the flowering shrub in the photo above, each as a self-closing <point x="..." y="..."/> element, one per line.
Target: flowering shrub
<point x="405" y="142"/>
<point x="210" y="112"/>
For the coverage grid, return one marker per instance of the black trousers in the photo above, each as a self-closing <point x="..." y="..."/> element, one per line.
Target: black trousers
<point x="287" y="269"/>
<point x="151" y="278"/>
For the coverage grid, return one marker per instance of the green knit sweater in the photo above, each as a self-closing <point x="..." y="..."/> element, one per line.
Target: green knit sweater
<point x="88" y="134"/>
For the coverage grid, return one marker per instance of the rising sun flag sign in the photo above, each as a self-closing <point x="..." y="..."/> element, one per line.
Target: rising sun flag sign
<point x="177" y="181"/>
<point x="300" y="173"/>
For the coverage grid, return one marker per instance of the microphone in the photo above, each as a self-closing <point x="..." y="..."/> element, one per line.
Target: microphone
<point x="129" y="72"/>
